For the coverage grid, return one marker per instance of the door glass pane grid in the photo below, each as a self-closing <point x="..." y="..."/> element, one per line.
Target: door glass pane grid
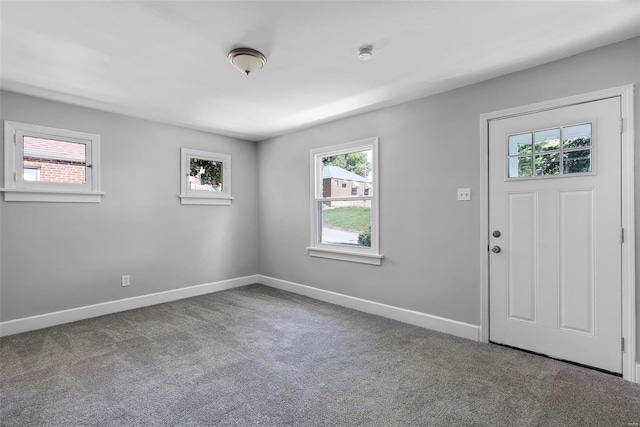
<point x="557" y="151"/>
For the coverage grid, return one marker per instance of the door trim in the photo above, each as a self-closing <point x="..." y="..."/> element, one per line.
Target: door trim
<point x="628" y="211"/>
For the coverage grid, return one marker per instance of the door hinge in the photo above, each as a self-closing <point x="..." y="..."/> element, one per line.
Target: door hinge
<point x="621" y="235"/>
<point x="622" y="344"/>
<point x="621" y="125"/>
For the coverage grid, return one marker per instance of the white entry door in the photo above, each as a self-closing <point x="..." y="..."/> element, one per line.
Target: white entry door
<point x="555" y="224"/>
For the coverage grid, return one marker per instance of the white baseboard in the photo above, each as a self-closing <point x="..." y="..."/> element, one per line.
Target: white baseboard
<point x="46" y="320"/>
<point x="440" y="324"/>
<point x="637" y="373"/>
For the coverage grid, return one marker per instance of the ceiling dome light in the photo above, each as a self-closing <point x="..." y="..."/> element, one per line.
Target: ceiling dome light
<point x="247" y="60"/>
<point x="366" y="52"/>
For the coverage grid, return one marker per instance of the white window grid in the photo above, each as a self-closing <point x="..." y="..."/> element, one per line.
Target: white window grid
<point x="560" y="151"/>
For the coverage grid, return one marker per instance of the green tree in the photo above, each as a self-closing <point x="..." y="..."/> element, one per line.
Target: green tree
<point x="353" y="162"/>
<point x="210" y="172"/>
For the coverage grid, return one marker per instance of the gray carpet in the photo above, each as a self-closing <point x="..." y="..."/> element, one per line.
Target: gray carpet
<point x="262" y="357"/>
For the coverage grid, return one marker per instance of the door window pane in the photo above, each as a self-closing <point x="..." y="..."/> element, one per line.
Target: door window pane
<point x="57" y="161"/>
<point x="547" y="164"/>
<point x="205" y="175"/>
<point x="519" y="166"/>
<point x="578" y="161"/>
<point x="576" y="136"/>
<point x="520" y="144"/>
<point x="547" y="140"/>
<point x="346" y="222"/>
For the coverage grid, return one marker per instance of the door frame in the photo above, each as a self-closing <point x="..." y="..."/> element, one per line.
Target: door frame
<point x="630" y="371"/>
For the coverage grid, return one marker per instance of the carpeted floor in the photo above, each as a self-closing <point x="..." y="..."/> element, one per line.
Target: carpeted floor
<point x="262" y="357"/>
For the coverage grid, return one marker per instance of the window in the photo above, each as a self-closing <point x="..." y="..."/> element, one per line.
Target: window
<point x="344" y="219"/>
<point x="559" y="151"/>
<point x="31" y="173"/>
<point x="205" y="178"/>
<point x="44" y="164"/>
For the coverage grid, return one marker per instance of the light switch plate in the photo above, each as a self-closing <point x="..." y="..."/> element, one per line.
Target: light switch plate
<point x="464" y="194"/>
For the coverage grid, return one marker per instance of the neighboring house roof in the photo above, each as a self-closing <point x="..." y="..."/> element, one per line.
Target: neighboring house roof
<point x="339" y="173"/>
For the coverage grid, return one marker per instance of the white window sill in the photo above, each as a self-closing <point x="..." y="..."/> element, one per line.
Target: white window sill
<point x="194" y="200"/>
<point x="359" y="257"/>
<point x="35" y="195"/>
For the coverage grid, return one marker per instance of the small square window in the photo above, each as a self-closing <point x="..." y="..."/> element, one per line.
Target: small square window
<point x="205" y="175"/>
<point x="51" y="165"/>
<point x="206" y="178"/>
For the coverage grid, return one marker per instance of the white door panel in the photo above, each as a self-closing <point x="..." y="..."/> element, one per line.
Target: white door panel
<point x="521" y="230"/>
<point x="555" y="286"/>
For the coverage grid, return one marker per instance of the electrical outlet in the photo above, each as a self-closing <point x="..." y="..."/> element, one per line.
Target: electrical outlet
<point x="126" y="280"/>
<point x="464" y="194"/>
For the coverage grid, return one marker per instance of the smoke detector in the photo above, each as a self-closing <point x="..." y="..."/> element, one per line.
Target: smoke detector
<point x="365" y="53"/>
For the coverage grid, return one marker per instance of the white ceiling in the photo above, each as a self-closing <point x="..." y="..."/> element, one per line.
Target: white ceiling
<point x="167" y="60"/>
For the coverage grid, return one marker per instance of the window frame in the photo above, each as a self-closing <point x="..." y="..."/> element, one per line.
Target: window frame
<point x="359" y="254"/>
<point x="17" y="189"/>
<point x="199" y="197"/>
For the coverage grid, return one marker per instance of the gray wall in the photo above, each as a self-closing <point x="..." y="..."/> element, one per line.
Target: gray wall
<point x="428" y="148"/>
<point x="56" y="256"/>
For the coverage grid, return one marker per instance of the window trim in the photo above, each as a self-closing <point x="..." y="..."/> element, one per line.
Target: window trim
<point x="16" y="189"/>
<point x="364" y="255"/>
<point x="196" y="197"/>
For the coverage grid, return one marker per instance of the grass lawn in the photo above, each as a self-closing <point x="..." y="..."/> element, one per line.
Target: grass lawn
<point x="348" y="218"/>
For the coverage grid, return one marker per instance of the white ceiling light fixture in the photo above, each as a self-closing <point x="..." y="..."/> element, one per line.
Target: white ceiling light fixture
<point x="247" y="60"/>
<point x="365" y="53"/>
